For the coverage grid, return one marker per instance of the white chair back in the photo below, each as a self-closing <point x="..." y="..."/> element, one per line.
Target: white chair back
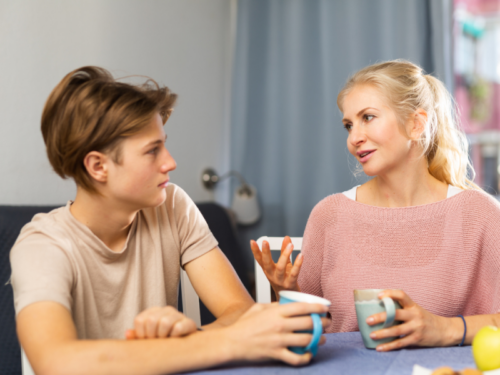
<point x="190" y="307"/>
<point x="262" y="285"/>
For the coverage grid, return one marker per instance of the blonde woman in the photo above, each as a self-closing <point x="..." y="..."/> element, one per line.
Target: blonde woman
<point x="420" y="226"/>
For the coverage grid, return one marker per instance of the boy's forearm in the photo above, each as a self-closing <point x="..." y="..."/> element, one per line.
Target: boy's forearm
<point x="149" y="357"/>
<point x="230" y="315"/>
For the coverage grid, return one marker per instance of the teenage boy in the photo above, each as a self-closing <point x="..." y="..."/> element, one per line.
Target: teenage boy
<point x="107" y="264"/>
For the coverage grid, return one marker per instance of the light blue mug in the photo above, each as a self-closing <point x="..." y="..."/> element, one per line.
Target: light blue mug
<point x="367" y="303"/>
<point x="287" y="296"/>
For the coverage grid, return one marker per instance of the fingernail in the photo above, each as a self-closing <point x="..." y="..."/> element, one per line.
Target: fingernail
<point x="380" y="348"/>
<point x="369" y="320"/>
<point x="373" y="335"/>
<point x="380" y="295"/>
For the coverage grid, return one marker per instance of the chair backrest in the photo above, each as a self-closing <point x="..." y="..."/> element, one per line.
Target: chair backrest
<point x="262" y="285"/>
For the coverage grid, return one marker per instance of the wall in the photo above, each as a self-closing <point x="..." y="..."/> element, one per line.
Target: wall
<point x="184" y="44"/>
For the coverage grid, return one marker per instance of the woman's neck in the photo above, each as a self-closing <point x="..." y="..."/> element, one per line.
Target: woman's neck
<point x="403" y="188"/>
<point x="108" y="220"/>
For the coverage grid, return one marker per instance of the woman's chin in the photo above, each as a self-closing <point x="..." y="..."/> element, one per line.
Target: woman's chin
<point x="371" y="172"/>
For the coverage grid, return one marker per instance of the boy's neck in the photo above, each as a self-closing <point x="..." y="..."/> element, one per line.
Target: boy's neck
<point x="109" y="220"/>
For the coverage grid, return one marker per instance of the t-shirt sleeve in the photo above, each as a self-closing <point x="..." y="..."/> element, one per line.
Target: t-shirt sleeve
<point x="195" y="237"/>
<point x="41" y="271"/>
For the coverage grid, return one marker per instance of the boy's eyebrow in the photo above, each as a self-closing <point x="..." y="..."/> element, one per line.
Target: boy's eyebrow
<point x="359" y="113"/>
<point x="158" y="141"/>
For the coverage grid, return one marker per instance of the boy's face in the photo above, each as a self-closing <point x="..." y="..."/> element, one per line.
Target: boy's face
<point x="140" y="179"/>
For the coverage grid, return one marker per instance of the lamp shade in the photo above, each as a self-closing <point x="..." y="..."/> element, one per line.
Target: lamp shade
<point x="245" y="205"/>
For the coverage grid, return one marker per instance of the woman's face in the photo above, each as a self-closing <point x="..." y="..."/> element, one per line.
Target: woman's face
<point x="375" y="138"/>
<point x="139" y="180"/>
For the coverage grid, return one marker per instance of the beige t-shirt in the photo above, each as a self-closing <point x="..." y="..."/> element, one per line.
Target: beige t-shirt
<point x="57" y="258"/>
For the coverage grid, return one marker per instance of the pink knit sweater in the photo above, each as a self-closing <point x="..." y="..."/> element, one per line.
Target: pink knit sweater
<point x="444" y="255"/>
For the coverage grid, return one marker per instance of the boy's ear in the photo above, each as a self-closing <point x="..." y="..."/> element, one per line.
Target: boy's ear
<point x="418" y="124"/>
<point x="96" y="164"/>
<point x="167" y="114"/>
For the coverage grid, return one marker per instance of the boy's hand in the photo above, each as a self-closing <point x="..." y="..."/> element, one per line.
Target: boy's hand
<point x="267" y="330"/>
<point x="160" y="322"/>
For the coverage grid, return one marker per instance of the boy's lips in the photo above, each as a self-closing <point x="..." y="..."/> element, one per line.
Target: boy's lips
<point x="163" y="184"/>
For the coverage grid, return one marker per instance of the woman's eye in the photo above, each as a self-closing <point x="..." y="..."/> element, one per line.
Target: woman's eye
<point x="348" y="127"/>
<point x="369" y="117"/>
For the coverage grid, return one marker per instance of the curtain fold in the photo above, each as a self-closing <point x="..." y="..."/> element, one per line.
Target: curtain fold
<point x="292" y="58"/>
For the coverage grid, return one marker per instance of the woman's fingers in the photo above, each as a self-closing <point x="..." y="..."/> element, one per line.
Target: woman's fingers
<point x="395" y="331"/>
<point x="294" y="272"/>
<point x="256" y="252"/>
<point x="397" y="344"/>
<point x="283" y="261"/>
<point x="402" y="315"/>
<point x="267" y="260"/>
<point x="287" y="241"/>
<point x="398" y="295"/>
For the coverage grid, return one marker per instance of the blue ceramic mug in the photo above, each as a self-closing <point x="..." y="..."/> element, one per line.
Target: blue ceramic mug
<point x="287" y="296"/>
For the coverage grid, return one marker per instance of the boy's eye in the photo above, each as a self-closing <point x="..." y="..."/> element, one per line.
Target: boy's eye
<point x="154" y="151"/>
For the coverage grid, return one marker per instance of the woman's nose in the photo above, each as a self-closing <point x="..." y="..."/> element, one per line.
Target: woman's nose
<point x="357" y="136"/>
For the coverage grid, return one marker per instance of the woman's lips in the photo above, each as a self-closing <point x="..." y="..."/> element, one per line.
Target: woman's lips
<point x="367" y="157"/>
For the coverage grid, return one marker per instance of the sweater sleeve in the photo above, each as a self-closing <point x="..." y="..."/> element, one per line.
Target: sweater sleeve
<point x="488" y="275"/>
<point x="312" y="251"/>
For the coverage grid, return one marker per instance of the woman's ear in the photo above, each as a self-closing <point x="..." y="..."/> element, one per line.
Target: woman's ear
<point x="96" y="164"/>
<point x="418" y="123"/>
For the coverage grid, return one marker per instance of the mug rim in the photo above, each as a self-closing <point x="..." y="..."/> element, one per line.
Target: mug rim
<point x="303" y="297"/>
<point x="368" y="295"/>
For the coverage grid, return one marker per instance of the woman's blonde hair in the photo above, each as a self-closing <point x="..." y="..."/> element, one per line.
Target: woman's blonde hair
<point x="90" y="111"/>
<point x="407" y="89"/>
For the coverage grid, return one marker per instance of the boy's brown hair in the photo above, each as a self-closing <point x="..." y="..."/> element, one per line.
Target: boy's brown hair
<point x="90" y="111"/>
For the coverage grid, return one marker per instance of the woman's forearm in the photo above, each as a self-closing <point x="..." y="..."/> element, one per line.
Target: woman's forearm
<point x="455" y="331"/>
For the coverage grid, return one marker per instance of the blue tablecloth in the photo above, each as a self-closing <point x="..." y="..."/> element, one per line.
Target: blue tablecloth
<point x="344" y="353"/>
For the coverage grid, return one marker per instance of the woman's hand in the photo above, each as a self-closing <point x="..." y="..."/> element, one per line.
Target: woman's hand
<point x="266" y="331"/>
<point x="160" y="322"/>
<point x="419" y="327"/>
<point x="282" y="275"/>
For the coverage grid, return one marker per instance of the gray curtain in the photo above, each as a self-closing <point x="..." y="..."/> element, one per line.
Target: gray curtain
<point x="292" y="58"/>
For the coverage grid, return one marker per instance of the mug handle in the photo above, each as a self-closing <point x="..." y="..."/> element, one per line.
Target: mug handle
<point x="317" y="331"/>
<point x="390" y="309"/>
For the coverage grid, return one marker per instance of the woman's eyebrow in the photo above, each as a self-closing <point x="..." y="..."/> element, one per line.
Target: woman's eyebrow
<point x="359" y="113"/>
